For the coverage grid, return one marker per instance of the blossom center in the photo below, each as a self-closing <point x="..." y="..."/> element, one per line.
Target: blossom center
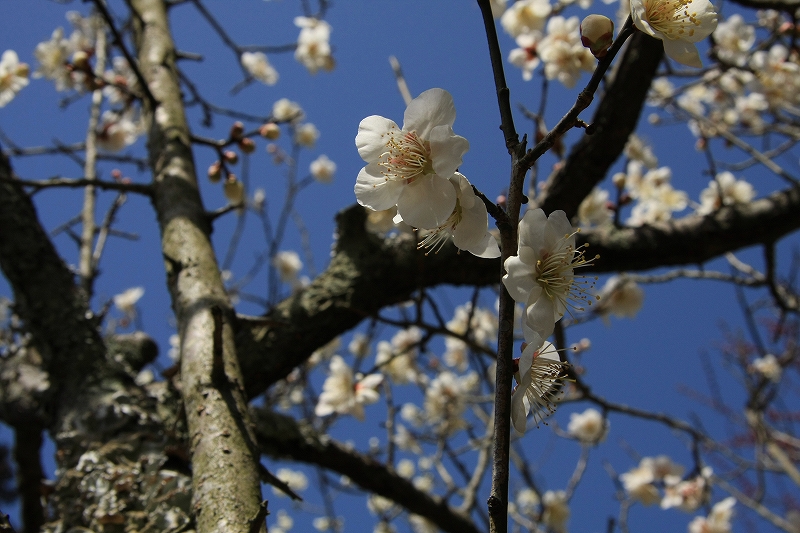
<point x="436" y="238"/>
<point x="554" y="272"/>
<point x="407" y="156"/>
<point x="672" y="18"/>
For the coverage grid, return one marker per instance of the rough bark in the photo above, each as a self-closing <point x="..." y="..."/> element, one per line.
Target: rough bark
<point x="225" y="478"/>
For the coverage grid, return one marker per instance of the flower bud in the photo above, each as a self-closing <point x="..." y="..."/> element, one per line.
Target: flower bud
<point x="247" y="145"/>
<point x="80" y="60"/>
<point x="215" y="172"/>
<point x="597" y="34"/>
<point x="234" y="190"/>
<point x="231" y="157"/>
<point x="270" y="131"/>
<point x="237" y="130"/>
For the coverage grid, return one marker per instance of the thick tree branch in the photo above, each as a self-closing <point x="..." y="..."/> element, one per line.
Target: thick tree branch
<point x="226" y="488"/>
<point x="282" y="437"/>
<point x="368" y="273"/>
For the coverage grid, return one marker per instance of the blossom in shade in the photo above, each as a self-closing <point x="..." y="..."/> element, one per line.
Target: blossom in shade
<point x="257" y="65"/>
<point x="13" y="76"/>
<point x="589" y="427"/>
<point x="526" y="56"/>
<point x="620" y="297"/>
<point x="594" y="209"/>
<point x="678" y="24"/>
<point x="411" y="167"/>
<point x="541" y="277"/>
<point x="538" y="384"/>
<point x="53" y="57"/>
<point x="555" y="510"/>
<point x="126" y="300"/>
<point x="344" y="393"/>
<point x="467" y="225"/>
<point x="724" y="189"/>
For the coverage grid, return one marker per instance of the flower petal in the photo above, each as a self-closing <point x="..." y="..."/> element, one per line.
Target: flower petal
<point x="427" y="202"/>
<point x="447" y="150"/>
<point x="683" y="52"/>
<point x="519" y="280"/>
<point x="531" y="230"/>
<point x="541" y="316"/>
<point x="373" y="190"/>
<point x="371" y="138"/>
<point x="432" y="108"/>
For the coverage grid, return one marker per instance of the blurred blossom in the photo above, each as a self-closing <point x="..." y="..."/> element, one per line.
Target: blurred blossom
<point x="359" y="345"/>
<point x="733" y="39"/>
<point x="53" y="57"/>
<point x="284" y="110"/>
<point x="296" y="480"/>
<point x="288" y="264"/>
<point x="306" y="135"/>
<point x="313" y="47"/>
<point x="126" y="300"/>
<point x="718" y="520"/>
<point x="556" y="510"/>
<point x="636" y="148"/>
<point x="562" y="52"/>
<point x="589" y="427"/>
<point x="768" y="366"/>
<point x="323" y="169"/>
<point x="13" y="76"/>
<point x="594" y="209"/>
<point x="687" y="495"/>
<point x="725" y="189"/>
<point x="525" y="16"/>
<point x="621" y="297"/>
<point x="116" y="130"/>
<point x="526" y="55"/>
<point x="258" y="66"/>
<point x="446" y="400"/>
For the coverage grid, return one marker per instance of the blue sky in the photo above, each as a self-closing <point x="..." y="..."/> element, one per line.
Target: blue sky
<point x="439" y="44"/>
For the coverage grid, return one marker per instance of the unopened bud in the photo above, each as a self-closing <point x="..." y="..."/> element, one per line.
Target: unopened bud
<point x="231" y="157"/>
<point x="80" y="60"/>
<point x="215" y="172"/>
<point x="247" y="145"/>
<point x="234" y="190"/>
<point x="597" y="34"/>
<point x="237" y="130"/>
<point x="618" y="180"/>
<point x="270" y="131"/>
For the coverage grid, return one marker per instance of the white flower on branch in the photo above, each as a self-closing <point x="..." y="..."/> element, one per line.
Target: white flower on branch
<point x="13" y="76"/>
<point x="411" y="167"/>
<point x="589" y="427"/>
<point x="344" y="393"/>
<point x="257" y="65"/>
<point x="525" y="16"/>
<point x="718" y="520"/>
<point x="539" y="382"/>
<point x="678" y="24"/>
<point x="725" y="189"/>
<point x="313" y="44"/>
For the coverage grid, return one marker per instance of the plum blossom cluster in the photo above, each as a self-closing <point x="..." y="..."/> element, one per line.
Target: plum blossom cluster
<point x="13" y="76"/>
<point x="415" y="169"/>
<point x="542" y="278"/>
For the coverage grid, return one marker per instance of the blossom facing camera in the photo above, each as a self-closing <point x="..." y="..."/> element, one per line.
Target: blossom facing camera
<point x="678" y="24"/>
<point x="597" y="34"/>
<point x="410" y="166"/>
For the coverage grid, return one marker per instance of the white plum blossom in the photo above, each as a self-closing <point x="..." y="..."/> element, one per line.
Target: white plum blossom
<point x="284" y="110"/>
<point x="126" y="300"/>
<point x="467" y="225"/>
<point x="639" y="482"/>
<point x="289" y="265"/>
<point x="538" y="384"/>
<point x="411" y="167"/>
<point x="594" y="210"/>
<point x="589" y="427"/>
<point x="526" y="56"/>
<point x="296" y="480"/>
<point x="562" y="52"/>
<point x="13" y="76"/>
<point x="639" y="150"/>
<point x="768" y="366"/>
<point x="53" y="57"/>
<point x="555" y="510"/>
<point x="313" y="44"/>
<point x="655" y="196"/>
<point x="525" y="16"/>
<point x="678" y="24"/>
<point x="306" y="135"/>
<point x="733" y="39"/>
<point x="116" y="131"/>
<point x="541" y="277"/>
<point x="725" y="189"/>
<point x="687" y="495"/>
<point x="446" y="400"/>
<point x="343" y="393"/>
<point x="778" y="74"/>
<point x="322" y="169"/>
<point x="258" y="66"/>
<point x="121" y="81"/>
<point x="397" y="359"/>
<point x="621" y="297"/>
<point x="718" y="520"/>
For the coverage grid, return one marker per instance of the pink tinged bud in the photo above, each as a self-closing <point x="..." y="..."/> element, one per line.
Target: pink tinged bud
<point x="234" y="190"/>
<point x="215" y="172"/>
<point x="237" y="130"/>
<point x="247" y="146"/>
<point x="597" y="34"/>
<point x="270" y="131"/>
<point x="231" y="157"/>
